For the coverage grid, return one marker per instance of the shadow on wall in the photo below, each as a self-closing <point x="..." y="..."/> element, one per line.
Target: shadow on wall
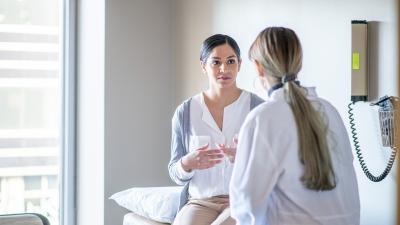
<point x="373" y="57"/>
<point x="193" y="23"/>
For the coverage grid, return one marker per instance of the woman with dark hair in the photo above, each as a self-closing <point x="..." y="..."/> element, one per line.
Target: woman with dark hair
<point x="204" y="130"/>
<point x="294" y="163"/>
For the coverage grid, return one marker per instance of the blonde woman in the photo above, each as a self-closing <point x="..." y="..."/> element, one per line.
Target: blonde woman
<point x="294" y="163"/>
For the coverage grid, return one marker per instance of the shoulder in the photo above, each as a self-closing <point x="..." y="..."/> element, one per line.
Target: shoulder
<point x="330" y="112"/>
<point x="255" y="97"/>
<point x="267" y="111"/>
<point x="313" y="97"/>
<point x="181" y="110"/>
<point x="327" y="106"/>
<point x="183" y="106"/>
<point x="255" y="100"/>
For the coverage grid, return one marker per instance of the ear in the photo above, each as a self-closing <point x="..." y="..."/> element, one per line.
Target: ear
<point x="239" y="64"/>
<point x="203" y="67"/>
<point x="259" y="68"/>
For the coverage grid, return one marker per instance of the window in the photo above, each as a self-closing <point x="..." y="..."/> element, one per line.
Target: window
<point x="33" y="120"/>
<point x="33" y="183"/>
<point x="52" y="182"/>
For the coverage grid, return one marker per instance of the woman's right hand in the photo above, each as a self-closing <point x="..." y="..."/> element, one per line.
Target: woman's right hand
<point x="202" y="158"/>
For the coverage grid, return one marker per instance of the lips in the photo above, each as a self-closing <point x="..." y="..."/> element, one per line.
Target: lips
<point x="223" y="77"/>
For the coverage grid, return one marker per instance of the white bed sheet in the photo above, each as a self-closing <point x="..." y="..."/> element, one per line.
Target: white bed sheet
<point x="134" y="219"/>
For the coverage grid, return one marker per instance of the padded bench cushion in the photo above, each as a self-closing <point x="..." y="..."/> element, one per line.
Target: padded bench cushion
<point x="134" y="219"/>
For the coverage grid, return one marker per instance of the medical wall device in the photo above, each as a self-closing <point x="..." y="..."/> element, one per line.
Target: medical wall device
<point x="359" y="61"/>
<point x="388" y="106"/>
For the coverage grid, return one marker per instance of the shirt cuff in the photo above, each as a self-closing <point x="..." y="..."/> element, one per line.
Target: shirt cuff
<point x="183" y="175"/>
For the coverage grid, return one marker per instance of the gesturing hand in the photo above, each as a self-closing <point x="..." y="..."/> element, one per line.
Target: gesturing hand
<point x="229" y="151"/>
<point x="202" y="158"/>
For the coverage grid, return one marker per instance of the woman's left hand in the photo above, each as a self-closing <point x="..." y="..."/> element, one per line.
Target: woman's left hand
<point x="229" y="151"/>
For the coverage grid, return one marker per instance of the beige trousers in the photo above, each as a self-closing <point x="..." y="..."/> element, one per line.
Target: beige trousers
<point x="210" y="211"/>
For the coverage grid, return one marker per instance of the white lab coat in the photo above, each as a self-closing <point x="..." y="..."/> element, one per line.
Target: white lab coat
<point x="265" y="186"/>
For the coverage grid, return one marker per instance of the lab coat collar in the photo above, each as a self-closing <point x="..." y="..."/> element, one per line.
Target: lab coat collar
<point x="279" y="93"/>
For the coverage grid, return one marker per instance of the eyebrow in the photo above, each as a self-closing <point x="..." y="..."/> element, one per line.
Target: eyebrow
<point x="229" y="57"/>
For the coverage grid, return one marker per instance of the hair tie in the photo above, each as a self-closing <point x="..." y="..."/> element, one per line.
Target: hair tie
<point x="288" y="77"/>
<point x="284" y="79"/>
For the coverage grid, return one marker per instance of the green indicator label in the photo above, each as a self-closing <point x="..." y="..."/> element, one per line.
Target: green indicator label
<point x="356" y="61"/>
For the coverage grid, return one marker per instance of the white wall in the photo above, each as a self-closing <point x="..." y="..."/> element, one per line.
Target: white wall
<point x="90" y="114"/>
<point x="138" y="97"/>
<point x="325" y="32"/>
<point x="131" y="81"/>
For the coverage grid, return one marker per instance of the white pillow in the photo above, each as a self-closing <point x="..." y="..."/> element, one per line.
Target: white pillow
<point x="157" y="203"/>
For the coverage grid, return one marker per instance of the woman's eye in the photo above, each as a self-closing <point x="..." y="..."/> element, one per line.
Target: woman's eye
<point x="231" y="61"/>
<point x="215" y="63"/>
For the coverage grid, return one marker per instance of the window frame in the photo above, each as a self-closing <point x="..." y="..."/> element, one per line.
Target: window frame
<point x="68" y="113"/>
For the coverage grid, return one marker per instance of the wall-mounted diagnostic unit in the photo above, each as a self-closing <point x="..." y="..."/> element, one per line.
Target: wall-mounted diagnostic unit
<point x="388" y="111"/>
<point x="359" y="61"/>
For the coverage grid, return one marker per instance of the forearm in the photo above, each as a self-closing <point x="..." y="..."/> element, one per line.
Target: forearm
<point x="178" y="173"/>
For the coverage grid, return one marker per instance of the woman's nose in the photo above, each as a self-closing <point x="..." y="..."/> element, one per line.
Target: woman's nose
<point x="222" y="68"/>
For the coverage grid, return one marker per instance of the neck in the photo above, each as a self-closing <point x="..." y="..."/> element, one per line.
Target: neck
<point x="271" y="82"/>
<point x="222" y="96"/>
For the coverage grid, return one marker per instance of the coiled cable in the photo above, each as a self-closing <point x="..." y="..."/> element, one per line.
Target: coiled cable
<point x="359" y="154"/>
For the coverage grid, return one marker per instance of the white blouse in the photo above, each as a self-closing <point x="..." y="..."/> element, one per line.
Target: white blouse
<point x="266" y="186"/>
<point x="203" y="128"/>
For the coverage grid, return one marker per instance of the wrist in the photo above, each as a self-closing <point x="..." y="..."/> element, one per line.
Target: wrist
<point x="185" y="166"/>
